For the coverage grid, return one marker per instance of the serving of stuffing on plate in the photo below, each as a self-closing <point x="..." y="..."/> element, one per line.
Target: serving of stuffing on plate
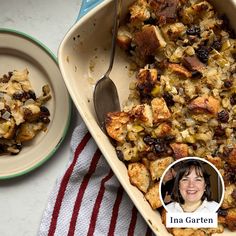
<point x="183" y="99"/>
<point x="22" y="114"/>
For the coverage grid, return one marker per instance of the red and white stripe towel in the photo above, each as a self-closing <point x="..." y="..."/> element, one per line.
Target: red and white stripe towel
<point x="88" y="199"/>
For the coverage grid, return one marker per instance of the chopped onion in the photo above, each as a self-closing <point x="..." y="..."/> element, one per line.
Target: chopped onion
<point x="2" y="106"/>
<point x="6" y="115"/>
<point x="29" y="101"/>
<point x="7" y="98"/>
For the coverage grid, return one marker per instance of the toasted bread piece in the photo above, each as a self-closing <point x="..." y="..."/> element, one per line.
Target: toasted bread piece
<point x="204" y="104"/>
<point x="129" y="153"/>
<point x="193" y="63"/>
<point x="146" y="80"/>
<point x="139" y="176"/>
<point x="31" y="112"/>
<point x="194" y="13"/>
<point x="165" y="13"/>
<point x="139" y="12"/>
<point x="7" y="128"/>
<point x="216" y="161"/>
<point x="160" y="110"/>
<point x="173" y="31"/>
<point x="232" y="157"/>
<point x="143" y="114"/>
<point x="124" y="38"/>
<point x="116" y="123"/>
<point x="197" y="232"/>
<point x="180" y="150"/>
<point x="147" y="76"/>
<point x="229" y="197"/>
<point x="180" y="70"/>
<point x="187" y="232"/>
<point x="153" y="196"/>
<point x="158" y="167"/>
<point x="148" y="40"/>
<point x="231" y="219"/>
<point x="28" y="131"/>
<point x="163" y="129"/>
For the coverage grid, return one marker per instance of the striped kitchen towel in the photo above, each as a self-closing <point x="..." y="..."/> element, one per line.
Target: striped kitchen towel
<point x="88" y="199"/>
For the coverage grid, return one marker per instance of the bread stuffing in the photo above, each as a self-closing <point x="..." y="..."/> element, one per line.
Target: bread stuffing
<point x="22" y="114"/>
<point x="182" y="101"/>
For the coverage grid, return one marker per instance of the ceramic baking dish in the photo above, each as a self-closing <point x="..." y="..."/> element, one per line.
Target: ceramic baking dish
<point x="83" y="58"/>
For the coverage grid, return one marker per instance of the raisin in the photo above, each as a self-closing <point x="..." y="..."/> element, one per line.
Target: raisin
<point x="202" y="53"/>
<point x="159" y="77"/>
<point x="191" y="40"/>
<point x="233" y="99"/>
<point x="233" y="194"/>
<point x="160" y="146"/>
<point x="222" y="212"/>
<point x="7" y="108"/>
<point x="19" y="146"/>
<point x="169" y="138"/>
<point x="44" y="119"/>
<point x="169" y="151"/>
<point x="168" y="99"/>
<point x="31" y="94"/>
<point x="230" y="174"/>
<point x="10" y="73"/>
<point x="223" y="116"/>
<point x="18" y="95"/>
<point x="23" y="96"/>
<point x="44" y="113"/>
<point x="151" y="156"/>
<point x="149" y="140"/>
<point x="216" y="45"/>
<point x="150" y="21"/>
<point x="2" y="111"/>
<point x="194" y="146"/>
<point x="145" y="98"/>
<point x="4" y="79"/>
<point x="145" y="89"/>
<point x="226" y="152"/>
<point x="196" y="74"/>
<point x="193" y="30"/>
<point x="120" y="155"/>
<point x="150" y="59"/>
<point x="44" y="110"/>
<point x="2" y="148"/>
<point x="228" y="84"/>
<point x="219" y="132"/>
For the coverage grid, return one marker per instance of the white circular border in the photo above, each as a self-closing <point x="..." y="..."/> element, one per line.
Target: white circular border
<point x="196" y="158"/>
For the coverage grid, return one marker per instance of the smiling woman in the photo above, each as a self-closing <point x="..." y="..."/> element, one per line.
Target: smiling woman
<point x="192" y="189"/>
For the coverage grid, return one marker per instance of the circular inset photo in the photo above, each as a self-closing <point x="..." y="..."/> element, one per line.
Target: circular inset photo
<point x="191" y="184"/>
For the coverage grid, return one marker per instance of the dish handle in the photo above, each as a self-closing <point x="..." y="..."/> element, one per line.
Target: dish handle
<point x="86" y="6"/>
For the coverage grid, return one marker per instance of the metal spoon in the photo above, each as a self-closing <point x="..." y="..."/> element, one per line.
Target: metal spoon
<point x="105" y="95"/>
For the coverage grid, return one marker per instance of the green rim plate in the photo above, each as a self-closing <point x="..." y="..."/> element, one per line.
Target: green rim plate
<point x="17" y="52"/>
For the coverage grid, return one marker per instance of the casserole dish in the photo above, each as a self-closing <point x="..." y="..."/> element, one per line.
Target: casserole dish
<point x="83" y="58"/>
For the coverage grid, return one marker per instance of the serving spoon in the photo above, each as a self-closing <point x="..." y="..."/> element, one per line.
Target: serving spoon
<point x="105" y="95"/>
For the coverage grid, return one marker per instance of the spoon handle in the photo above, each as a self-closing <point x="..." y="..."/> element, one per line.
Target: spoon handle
<point x="114" y="33"/>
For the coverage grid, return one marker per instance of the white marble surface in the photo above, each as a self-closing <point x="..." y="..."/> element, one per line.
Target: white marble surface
<point x="23" y="199"/>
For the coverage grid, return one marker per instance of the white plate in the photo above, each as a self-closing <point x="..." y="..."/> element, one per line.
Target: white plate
<point x="17" y="52"/>
<point x="83" y="57"/>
